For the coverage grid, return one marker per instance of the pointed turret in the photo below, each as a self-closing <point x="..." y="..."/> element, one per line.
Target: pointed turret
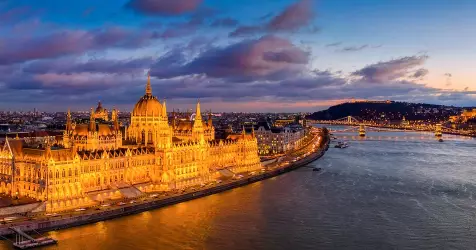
<point x="253" y="131"/>
<point x="209" y="121"/>
<point x="198" y="113"/>
<point x="164" y="109"/>
<point x="148" y="88"/>
<point x="173" y="119"/>
<point x="47" y="150"/>
<point x="92" y="122"/>
<point x="115" y="117"/>
<point x="69" y="126"/>
<point x="74" y="149"/>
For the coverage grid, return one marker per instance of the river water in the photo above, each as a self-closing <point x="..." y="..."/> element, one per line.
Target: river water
<point x="399" y="190"/>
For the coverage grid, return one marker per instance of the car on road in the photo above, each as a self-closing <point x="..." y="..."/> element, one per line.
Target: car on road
<point x="80" y="209"/>
<point x="106" y="205"/>
<point x="121" y="203"/>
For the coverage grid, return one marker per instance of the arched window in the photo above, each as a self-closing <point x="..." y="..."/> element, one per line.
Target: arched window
<point x="64" y="173"/>
<point x="70" y="173"/>
<point x="57" y="174"/>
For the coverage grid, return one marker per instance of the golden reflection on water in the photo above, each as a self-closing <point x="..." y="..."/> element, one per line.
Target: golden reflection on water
<point x="188" y="225"/>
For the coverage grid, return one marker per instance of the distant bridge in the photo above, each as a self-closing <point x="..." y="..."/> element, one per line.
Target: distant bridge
<point x="361" y="126"/>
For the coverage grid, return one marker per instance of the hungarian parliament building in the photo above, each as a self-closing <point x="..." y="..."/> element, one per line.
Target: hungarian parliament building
<point x="97" y="161"/>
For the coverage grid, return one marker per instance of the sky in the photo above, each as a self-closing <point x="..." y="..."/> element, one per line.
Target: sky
<point x="247" y="55"/>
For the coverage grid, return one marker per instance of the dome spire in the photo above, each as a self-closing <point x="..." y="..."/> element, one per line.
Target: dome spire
<point x="148" y="88"/>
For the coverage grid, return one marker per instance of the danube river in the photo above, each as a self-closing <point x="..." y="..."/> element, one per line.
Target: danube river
<point x="402" y="191"/>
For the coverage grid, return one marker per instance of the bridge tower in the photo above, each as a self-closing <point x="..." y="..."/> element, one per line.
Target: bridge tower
<point x="349" y="119"/>
<point x="362" y="130"/>
<point x="438" y="130"/>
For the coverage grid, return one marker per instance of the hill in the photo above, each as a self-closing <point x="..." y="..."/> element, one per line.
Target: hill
<point x="387" y="111"/>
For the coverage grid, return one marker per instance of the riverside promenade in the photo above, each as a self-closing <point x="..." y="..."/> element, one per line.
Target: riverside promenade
<point x="316" y="149"/>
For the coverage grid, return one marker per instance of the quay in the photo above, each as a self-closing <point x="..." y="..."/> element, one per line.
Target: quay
<point x="44" y="224"/>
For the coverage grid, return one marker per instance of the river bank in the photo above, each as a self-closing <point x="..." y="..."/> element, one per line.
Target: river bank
<point x="66" y="221"/>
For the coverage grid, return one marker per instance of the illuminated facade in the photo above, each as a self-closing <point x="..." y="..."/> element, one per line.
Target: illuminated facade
<point x="275" y="140"/>
<point x="96" y="162"/>
<point x="464" y="117"/>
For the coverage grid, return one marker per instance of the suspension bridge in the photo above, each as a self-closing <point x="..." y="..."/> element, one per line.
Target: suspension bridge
<point x="358" y="125"/>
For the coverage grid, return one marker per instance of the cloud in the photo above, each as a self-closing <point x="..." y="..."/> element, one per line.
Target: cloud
<point x="390" y="70"/>
<point x="163" y="7"/>
<point x="354" y="48"/>
<point x="245" y="31"/>
<point x="448" y="79"/>
<point x="420" y="73"/>
<point x="73" y="66"/>
<point x="225" y="22"/>
<point x="294" y="17"/>
<point x="69" y="42"/>
<point x="334" y="44"/>
<point x="262" y="58"/>
<point x="15" y="14"/>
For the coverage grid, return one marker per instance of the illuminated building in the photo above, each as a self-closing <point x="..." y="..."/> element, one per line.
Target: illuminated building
<point x="100" y="113"/>
<point x="464" y="117"/>
<point x="275" y="140"/>
<point x="96" y="161"/>
<point x="283" y="122"/>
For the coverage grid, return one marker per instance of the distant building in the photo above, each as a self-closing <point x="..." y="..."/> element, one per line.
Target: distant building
<point x="405" y="122"/>
<point x="278" y="140"/>
<point x="283" y="122"/>
<point x="464" y="116"/>
<point x="100" y="113"/>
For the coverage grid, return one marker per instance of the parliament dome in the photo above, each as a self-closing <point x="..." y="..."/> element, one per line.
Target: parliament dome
<point x="148" y="105"/>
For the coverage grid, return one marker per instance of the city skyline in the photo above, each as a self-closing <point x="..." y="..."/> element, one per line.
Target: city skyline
<point x="234" y="56"/>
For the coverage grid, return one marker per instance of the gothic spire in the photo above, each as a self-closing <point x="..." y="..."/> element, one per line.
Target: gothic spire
<point x="92" y="122"/>
<point x="198" y="113"/>
<point x="69" y="126"/>
<point x="164" y="108"/>
<point x="210" y="121"/>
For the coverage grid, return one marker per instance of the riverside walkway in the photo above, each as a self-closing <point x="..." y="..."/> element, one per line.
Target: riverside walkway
<point x="307" y="154"/>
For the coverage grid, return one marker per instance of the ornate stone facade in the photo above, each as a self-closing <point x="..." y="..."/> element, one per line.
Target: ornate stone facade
<point x="94" y="163"/>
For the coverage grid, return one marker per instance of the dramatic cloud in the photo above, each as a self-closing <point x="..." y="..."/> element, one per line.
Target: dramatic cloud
<point x="163" y="7"/>
<point x="69" y="42"/>
<point x="263" y="58"/>
<point x="294" y="17"/>
<point x="420" y="73"/>
<point x="15" y="14"/>
<point x="107" y="66"/>
<point x="245" y="31"/>
<point x="390" y="70"/>
<point x="225" y="22"/>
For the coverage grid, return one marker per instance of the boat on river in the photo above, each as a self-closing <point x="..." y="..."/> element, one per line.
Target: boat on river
<point x="341" y="145"/>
